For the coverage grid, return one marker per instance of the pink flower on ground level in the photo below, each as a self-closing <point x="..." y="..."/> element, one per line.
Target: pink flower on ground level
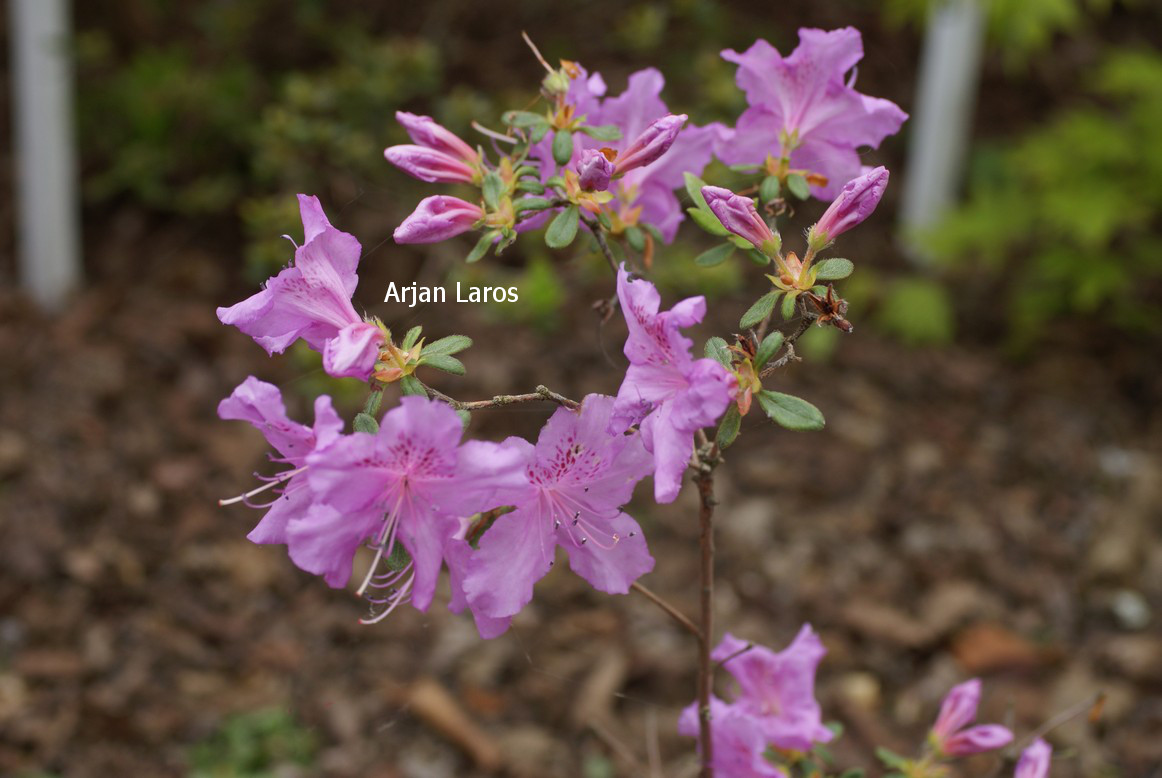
<point x="1034" y="761"/>
<point x="803" y="106"/>
<point x="438" y="218"/>
<point x="261" y="404"/>
<point x="577" y="478"/>
<point x="412" y="483"/>
<point x="949" y="734"/>
<point x="738" y="740"/>
<point x="856" y="202"/>
<point x="311" y="300"/>
<point x="669" y="392"/>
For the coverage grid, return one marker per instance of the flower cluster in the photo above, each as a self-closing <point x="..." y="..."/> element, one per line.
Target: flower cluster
<point x="774" y="715"/>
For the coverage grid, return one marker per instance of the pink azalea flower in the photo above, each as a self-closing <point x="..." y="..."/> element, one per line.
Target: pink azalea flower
<point x="411" y="483"/>
<point x="855" y="202"/>
<point x="1034" y="761"/>
<point x="739" y="215"/>
<point x="654" y="141"/>
<point x="802" y="105"/>
<point x="738" y="739"/>
<point x="261" y="404"/>
<point x="578" y="477"/>
<point x="429" y="165"/>
<point x="949" y="734"/>
<point x="438" y="218"/>
<point x="311" y="300"/>
<point x="424" y="131"/>
<point x="669" y="392"/>
<point x="779" y="688"/>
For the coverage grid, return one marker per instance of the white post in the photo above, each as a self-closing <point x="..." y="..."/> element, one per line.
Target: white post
<point x="48" y="229"/>
<point x="942" y="116"/>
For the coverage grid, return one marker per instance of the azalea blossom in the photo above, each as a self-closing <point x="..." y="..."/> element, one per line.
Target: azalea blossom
<point x="805" y="107"/>
<point x="669" y="392"/>
<point x="411" y="483"/>
<point x="578" y="476"/>
<point x="951" y="735"/>
<point x="1034" y="761"/>
<point x="311" y="300"/>
<point x="739" y="745"/>
<point x="855" y="202"/>
<point x="426" y="132"/>
<point x="739" y="216"/>
<point x="438" y="218"/>
<point x="261" y="404"/>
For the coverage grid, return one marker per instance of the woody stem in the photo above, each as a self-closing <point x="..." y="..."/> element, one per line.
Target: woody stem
<point x="707" y="458"/>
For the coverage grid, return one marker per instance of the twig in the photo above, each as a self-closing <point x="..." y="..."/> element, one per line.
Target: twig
<point x="653" y="746"/>
<point x="615" y="745"/>
<point x="705" y="480"/>
<point x="737" y="653"/>
<point x="673" y="612"/>
<point x="789" y="342"/>
<point x="541" y="394"/>
<point x="595" y="228"/>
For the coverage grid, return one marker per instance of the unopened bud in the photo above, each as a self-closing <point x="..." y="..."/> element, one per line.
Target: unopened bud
<point x="739" y="215"/>
<point x="594" y="171"/>
<point x="654" y="141"/>
<point x="859" y="198"/>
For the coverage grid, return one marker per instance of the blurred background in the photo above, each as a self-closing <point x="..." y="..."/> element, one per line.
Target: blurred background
<point x="985" y="500"/>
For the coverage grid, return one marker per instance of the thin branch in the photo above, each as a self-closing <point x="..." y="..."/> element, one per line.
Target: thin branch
<point x="789" y="342"/>
<point x="673" y="612"/>
<point x="541" y="394"/>
<point x="705" y="480"/>
<point x="595" y="228"/>
<point x="615" y="745"/>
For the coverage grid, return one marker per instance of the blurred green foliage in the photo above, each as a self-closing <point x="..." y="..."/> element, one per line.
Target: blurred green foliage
<point x="258" y="744"/>
<point x="1068" y="215"/>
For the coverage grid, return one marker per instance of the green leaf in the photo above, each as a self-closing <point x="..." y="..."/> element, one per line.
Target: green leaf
<point x="767" y="349"/>
<point x="833" y="269"/>
<point x="465" y="417"/>
<point x="728" y="429"/>
<point x="556" y="181"/>
<point x="532" y="203"/>
<point x="534" y="187"/>
<point x="562" y="147"/>
<point x="652" y="230"/>
<point x="741" y="242"/>
<point x="798" y="186"/>
<point x="892" y="759"/>
<point x="717" y="350"/>
<point x="788" y="309"/>
<point x="694" y="186"/>
<point x="714" y="256"/>
<point x="443" y="362"/>
<point x="769" y="189"/>
<point x="539" y="132"/>
<point x="411" y="386"/>
<point x="492" y="189"/>
<point x="453" y="344"/>
<point x="758" y="257"/>
<point x="602" y="132"/>
<point x="707" y="221"/>
<point x="481" y="247"/>
<point x="523" y="119"/>
<point x="604" y="220"/>
<point x="371" y="407"/>
<point x="790" y="411"/>
<point x="747" y="168"/>
<point x="853" y="772"/>
<point x="563" y="228"/>
<point x="636" y="238"/>
<point x="759" y="311"/>
<point x="365" y="422"/>
<point x="412" y="336"/>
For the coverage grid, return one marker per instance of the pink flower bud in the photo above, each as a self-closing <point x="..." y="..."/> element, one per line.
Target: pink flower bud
<point x="651" y="144"/>
<point x="438" y="218"/>
<point x="958" y="709"/>
<point x="1034" y="761"/>
<point x="976" y="740"/>
<point x="739" y="215"/>
<point x="594" y="171"/>
<point x="429" y="165"/>
<point x="859" y="198"/>
<point x="424" y="131"/>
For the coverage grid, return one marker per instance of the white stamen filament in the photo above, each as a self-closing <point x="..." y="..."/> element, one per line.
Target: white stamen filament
<point x="273" y="482"/>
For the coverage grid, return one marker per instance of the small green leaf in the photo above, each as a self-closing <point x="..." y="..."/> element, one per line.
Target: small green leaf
<point x="747" y="168"/>
<point x="767" y="349"/>
<point x="769" y="189"/>
<point x="371" y="407"/>
<point x="788" y="309"/>
<point x="539" y="132"/>
<point x="523" y="119"/>
<point x="790" y="411"/>
<point x="532" y="204"/>
<point x="563" y="228"/>
<point x="717" y="350"/>
<point x="759" y="311"/>
<point x="465" y="417"/>
<point x="604" y="220"/>
<point x="453" y="344"/>
<point x="741" y="242"/>
<point x="443" y="362"/>
<point x="556" y="181"/>
<point x="714" y="256"/>
<point x="492" y="189"/>
<point x="481" y="247"/>
<point x="833" y="269"/>
<point x="728" y="429"/>
<point x="399" y="557"/>
<point x="411" y="386"/>
<point x="602" y="132"/>
<point x="694" y="186"/>
<point x="891" y="758"/>
<point x="759" y="258"/>
<point x="798" y="186"/>
<point x="365" y="422"/>
<point x="533" y="187"/>
<point x="562" y="147"/>
<point x="707" y="221"/>
<point x="652" y="230"/>
<point x="636" y="238"/>
<point x="412" y="336"/>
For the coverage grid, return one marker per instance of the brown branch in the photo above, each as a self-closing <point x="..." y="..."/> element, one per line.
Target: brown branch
<point x="708" y="459"/>
<point x="599" y="235"/>
<point x="542" y="394"/>
<point x="673" y="612"/>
